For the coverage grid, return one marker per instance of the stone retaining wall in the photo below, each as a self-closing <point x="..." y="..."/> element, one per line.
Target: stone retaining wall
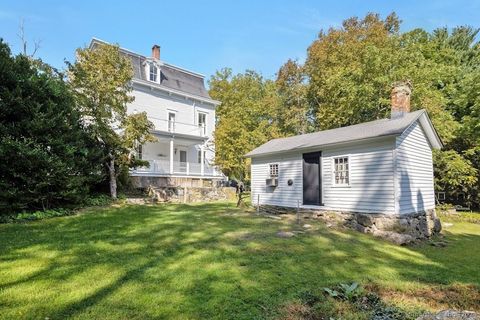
<point x="399" y="228"/>
<point x="190" y="194"/>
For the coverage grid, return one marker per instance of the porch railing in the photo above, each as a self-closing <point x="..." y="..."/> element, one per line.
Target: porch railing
<point x="183" y="168"/>
<point x="178" y="127"/>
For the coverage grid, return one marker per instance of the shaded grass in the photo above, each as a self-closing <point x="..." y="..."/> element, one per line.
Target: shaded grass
<point x="211" y="261"/>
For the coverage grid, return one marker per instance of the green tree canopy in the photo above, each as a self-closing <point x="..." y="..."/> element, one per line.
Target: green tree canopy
<point x="48" y="157"/>
<point x="101" y="79"/>
<point x="245" y="119"/>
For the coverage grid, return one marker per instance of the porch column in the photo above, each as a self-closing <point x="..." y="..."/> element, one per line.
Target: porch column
<point x="171" y="156"/>
<point x="202" y="160"/>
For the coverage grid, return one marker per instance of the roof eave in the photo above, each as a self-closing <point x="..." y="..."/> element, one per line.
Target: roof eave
<point x="303" y="149"/>
<point x="178" y="92"/>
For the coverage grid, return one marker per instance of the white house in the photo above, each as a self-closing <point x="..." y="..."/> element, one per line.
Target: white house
<point x="378" y="167"/>
<point x="178" y="104"/>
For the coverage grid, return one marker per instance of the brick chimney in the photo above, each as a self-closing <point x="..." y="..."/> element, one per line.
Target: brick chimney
<point x="400" y="98"/>
<point x="156" y="52"/>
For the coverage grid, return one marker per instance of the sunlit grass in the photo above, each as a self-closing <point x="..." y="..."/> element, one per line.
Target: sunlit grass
<point x="207" y="261"/>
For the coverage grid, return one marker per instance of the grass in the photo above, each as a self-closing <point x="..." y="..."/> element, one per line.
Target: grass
<point x="214" y="261"/>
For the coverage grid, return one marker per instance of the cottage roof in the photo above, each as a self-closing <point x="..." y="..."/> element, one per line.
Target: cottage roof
<point x="362" y="131"/>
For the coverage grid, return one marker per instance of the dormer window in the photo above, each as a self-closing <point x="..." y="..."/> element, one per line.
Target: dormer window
<point x="152" y="72"/>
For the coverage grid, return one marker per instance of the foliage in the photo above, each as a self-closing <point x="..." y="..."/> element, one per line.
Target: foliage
<point x="293" y="115"/>
<point x="101" y="80"/>
<point x="344" y="291"/>
<point x="49" y="158"/>
<point x="453" y="172"/>
<point x="244" y="119"/>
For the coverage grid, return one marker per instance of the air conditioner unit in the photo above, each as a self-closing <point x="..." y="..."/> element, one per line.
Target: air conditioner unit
<point x="273" y="182"/>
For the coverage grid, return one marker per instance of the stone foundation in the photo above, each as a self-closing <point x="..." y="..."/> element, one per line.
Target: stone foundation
<point x="144" y="182"/>
<point x="400" y="229"/>
<point x="190" y="194"/>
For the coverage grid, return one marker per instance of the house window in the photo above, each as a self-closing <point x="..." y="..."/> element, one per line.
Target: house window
<point x="202" y="123"/>
<point x="153" y="72"/>
<point x="199" y="156"/>
<point x="274" y="170"/>
<point x="171" y="121"/>
<point x="341" y="171"/>
<point x="139" y="152"/>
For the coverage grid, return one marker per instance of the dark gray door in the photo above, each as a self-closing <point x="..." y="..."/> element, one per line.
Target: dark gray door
<point x="312" y="184"/>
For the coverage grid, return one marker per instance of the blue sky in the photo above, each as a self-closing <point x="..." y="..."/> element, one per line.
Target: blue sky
<point x="205" y="36"/>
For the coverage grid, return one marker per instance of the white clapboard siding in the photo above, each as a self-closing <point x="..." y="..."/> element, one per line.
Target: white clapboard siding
<point x="371" y="187"/>
<point x="414" y="172"/>
<point x="289" y="167"/>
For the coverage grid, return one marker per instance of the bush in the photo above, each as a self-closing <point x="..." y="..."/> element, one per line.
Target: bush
<point x="49" y="159"/>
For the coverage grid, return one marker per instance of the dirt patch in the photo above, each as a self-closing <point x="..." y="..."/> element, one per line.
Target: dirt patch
<point x="457" y="296"/>
<point x="296" y="311"/>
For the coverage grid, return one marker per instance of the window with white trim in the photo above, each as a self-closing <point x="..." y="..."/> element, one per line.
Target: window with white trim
<point x="202" y="122"/>
<point x="153" y="72"/>
<point x="341" y="171"/>
<point x="199" y="156"/>
<point x="274" y="170"/>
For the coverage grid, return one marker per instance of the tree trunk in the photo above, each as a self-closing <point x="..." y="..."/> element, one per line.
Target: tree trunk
<point x="113" y="178"/>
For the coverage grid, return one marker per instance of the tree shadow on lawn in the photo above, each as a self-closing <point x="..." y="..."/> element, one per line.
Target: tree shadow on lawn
<point x="195" y="261"/>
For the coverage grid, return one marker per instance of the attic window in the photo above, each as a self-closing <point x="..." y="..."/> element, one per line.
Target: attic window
<point x="153" y="72"/>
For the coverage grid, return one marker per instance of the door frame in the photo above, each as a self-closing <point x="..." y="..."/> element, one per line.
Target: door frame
<point x="320" y="184"/>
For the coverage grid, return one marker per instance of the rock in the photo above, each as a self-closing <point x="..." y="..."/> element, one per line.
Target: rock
<point x="285" y="234"/>
<point x="366" y="220"/>
<point x="274" y="217"/>
<point x="451" y="315"/>
<point x="437" y="226"/>
<point x="447" y="224"/>
<point x="397" y="238"/>
<point x="307" y="226"/>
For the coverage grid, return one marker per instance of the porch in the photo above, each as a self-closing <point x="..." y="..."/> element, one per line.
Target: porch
<point x="176" y="168"/>
<point x="179" y="156"/>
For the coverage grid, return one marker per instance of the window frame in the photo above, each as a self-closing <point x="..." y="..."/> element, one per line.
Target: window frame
<point x="273" y="165"/>
<point x="348" y="170"/>
<point x="150" y="66"/>
<point x="199" y="156"/>
<point x="204" y="127"/>
<point x="171" y="124"/>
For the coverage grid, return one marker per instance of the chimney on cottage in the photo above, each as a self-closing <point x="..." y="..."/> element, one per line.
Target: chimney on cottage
<point x="400" y="98"/>
<point x="156" y="52"/>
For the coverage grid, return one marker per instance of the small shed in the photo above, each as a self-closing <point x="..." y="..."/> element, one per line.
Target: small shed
<point x="382" y="167"/>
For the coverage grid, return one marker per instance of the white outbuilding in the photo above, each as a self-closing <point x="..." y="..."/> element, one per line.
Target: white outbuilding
<point x="382" y="167"/>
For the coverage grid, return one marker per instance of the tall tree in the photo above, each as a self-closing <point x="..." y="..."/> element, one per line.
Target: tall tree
<point x="245" y="119"/>
<point x="101" y="79"/>
<point x="48" y="157"/>
<point x="294" y="115"/>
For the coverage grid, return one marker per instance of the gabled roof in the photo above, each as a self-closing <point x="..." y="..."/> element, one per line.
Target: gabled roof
<point x="363" y="131"/>
<point x="172" y="77"/>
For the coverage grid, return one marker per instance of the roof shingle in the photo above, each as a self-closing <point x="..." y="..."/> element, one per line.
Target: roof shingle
<point x="366" y="130"/>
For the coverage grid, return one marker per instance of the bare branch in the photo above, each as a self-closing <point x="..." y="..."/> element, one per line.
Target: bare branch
<point x="23" y="40"/>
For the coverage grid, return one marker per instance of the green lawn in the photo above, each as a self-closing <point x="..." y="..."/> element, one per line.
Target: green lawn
<point x="215" y="261"/>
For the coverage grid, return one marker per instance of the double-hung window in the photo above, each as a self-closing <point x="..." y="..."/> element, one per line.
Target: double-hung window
<point x="202" y="123"/>
<point x="341" y="171"/>
<point x="274" y="170"/>
<point x="199" y="156"/>
<point x="171" y="121"/>
<point x="153" y="72"/>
